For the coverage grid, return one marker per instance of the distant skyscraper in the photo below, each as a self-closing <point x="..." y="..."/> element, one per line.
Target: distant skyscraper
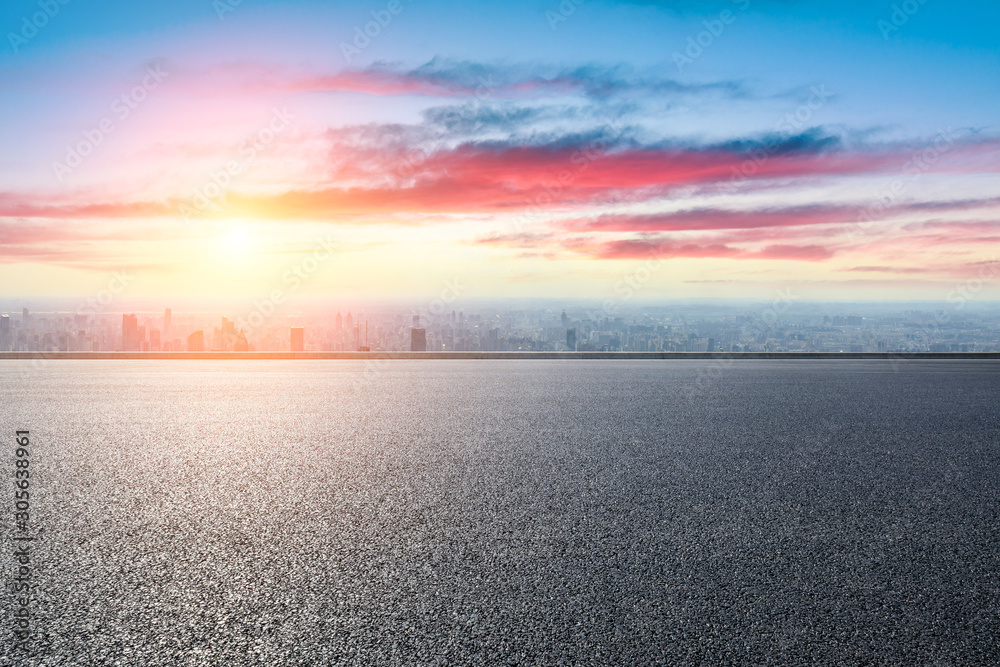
<point x="350" y="321"/>
<point x="130" y="333"/>
<point x="166" y="323"/>
<point x="25" y="316"/>
<point x="363" y="348"/>
<point x="571" y="339"/>
<point x="5" y="336"/>
<point x="298" y="335"/>
<point x="418" y="340"/>
<point x="4" y="324"/>
<point x="241" y="344"/>
<point x="154" y="340"/>
<point x="196" y="341"/>
<point x="228" y="334"/>
<point x="564" y="320"/>
<point x="340" y="321"/>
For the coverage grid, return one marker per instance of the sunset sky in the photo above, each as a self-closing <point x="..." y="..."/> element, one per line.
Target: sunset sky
<point x="732" y="148"/>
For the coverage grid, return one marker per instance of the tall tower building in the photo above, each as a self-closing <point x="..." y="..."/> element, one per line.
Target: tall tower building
<point x="228" y="334"/>
<point x="130" y="333"/>
<point x="196" y="341"/>
<point x="166" y="324"/>
<point x="241" y="344"/>
<point x="418" y="340"/>
<point x="298" y="336"/>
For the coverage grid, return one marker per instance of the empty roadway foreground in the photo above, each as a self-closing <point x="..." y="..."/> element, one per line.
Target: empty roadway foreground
<point x="526" y="512"/>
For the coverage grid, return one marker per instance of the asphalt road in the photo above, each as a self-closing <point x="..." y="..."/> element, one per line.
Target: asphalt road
<point x="536" y="512"/>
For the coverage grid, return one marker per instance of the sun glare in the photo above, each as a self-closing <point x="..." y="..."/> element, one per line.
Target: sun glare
<point x="237" y="242"/>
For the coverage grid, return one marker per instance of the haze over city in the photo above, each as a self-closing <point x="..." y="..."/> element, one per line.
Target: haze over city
<point x="783" y="325"/>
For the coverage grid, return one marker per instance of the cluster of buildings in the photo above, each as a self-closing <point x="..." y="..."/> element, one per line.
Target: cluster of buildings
<point x="488" y="327"/>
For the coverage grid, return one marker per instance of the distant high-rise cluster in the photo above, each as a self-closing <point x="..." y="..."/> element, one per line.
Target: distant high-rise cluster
<point x="668" y="328"/>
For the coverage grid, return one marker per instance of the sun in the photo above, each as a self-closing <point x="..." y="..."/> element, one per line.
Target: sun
<point x="237" y="242"/>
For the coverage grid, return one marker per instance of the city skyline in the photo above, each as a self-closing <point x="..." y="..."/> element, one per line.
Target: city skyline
<point x="723" y="149"/>
<point x="783" y="325"/>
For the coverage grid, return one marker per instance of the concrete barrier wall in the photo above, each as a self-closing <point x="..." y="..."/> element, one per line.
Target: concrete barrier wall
<point x="499" y="355"/>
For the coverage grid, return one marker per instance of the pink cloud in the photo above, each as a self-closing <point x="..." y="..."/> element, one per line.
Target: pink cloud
<point x="713" y="218"/>
<point x="657" y="248"/>
<point x="890" y="269"/>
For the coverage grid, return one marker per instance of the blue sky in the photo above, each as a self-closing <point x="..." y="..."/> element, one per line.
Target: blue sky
<point x="488" y="95"/>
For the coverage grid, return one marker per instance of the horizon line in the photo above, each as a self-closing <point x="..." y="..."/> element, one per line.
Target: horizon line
<point x="402" y="355"/>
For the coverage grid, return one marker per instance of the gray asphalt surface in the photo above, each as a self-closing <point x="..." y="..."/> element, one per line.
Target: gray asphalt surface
<point x="506" y="512"/>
